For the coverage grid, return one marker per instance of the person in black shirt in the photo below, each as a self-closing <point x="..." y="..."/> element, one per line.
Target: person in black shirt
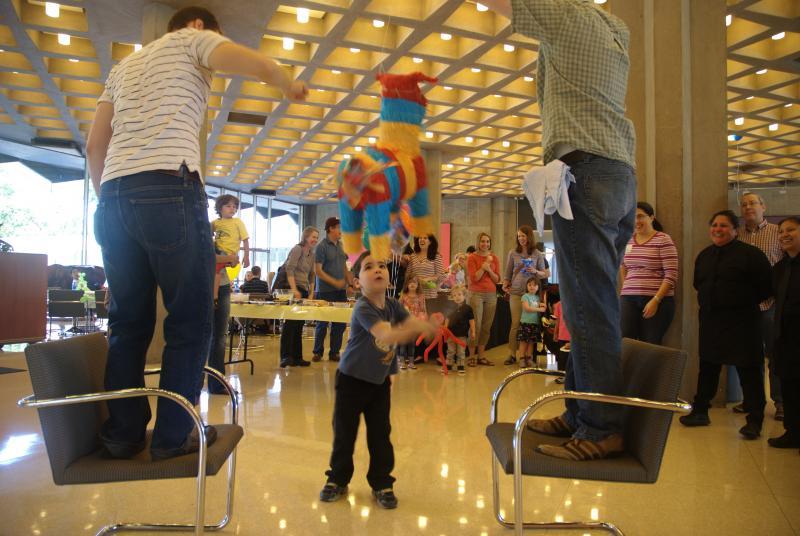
<point x="460" y="321"/>
<point x="255" y="285"/>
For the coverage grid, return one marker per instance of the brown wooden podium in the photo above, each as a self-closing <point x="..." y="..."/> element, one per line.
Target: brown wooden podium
<point x="23" y="293"/>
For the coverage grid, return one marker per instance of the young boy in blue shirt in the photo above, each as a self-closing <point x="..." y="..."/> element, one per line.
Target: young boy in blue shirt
<point x="363" y="385"/>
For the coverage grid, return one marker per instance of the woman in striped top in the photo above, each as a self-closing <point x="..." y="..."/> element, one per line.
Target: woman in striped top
<point x="426" y="265"/>
<point x="650" y="274"/>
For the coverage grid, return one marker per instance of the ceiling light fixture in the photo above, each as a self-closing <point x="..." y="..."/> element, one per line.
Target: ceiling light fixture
<point x="773" y="127"/>
<point x="508" y="48"/>
<point x="416" y="60"/>
<point x="449" y="166"/>
<point x="137" y="47"/>
<point x="475" y="69"/>
<point x="728" y="20"/>
<point x="303" y="15"/>
<point x="738" y="121"/>
<point x="288" y="43"/>
<point x="469" y="139"/>
<point x="466" y="159"/>
<point x="51" y="9"/>
<point x="355" y="50"/>
<point x="371" y="139"/>
<point x="528" y="78"/>
<point x="429" y="135"/>
<point x="506" y="144"/>
<point x="63" y="39"/>
<point x="734" y="137"/>
<point x="447" y="88"/>
<point x="336" y="71"/>
<point x="761" y="71"/>
<point x="358" y="148"/>
<point x="485" y="152"/>
<point x="378" y="23"/>
<point x="445" y="36"/>
<point x="749" y="98"/>
<point x="480" y="7"/>
<point x="600" y="1"/>
<point x="779" y="35"/>
<point x="74" y="60"/>
<point x="788" y="105"/>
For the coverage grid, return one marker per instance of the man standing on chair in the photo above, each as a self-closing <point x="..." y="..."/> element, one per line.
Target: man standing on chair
<point x="582" y="78"/>
<point x="152" y="223"/>
<point x="333" y="278"/>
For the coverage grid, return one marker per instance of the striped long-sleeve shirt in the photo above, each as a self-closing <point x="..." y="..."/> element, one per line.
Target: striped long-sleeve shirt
<point x="420" y="266"/>
<point x="649" y="264"/>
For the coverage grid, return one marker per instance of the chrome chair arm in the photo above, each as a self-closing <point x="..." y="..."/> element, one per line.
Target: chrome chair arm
<point x="510" y="378"/>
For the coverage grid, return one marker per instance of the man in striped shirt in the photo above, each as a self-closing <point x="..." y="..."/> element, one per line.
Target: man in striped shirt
<point x="758" y="232"/>
<point x="143" y="153"/>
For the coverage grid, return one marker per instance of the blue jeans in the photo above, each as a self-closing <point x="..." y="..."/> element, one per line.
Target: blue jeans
<point x="216" y="357"/>
<point x="337" y="328"/>
<point x="153" y="231"/>
<point x="589" y="250"/>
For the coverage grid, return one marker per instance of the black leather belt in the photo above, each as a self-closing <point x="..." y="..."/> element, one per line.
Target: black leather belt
<point x="182" y="172"/>
<point x="574" y="157"/>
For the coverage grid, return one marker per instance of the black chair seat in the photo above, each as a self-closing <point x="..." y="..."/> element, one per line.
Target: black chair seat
<point x="95" y="468"/>
<point x="625" y="468"/>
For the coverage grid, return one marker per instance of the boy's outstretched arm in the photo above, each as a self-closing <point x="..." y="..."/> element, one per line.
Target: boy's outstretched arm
<point x="402" y="333"/>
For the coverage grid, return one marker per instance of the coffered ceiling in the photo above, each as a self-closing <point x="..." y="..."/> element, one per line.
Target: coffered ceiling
<point x="482" y="115"/>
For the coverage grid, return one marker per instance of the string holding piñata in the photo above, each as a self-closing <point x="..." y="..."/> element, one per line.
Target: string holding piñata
<point x="373" y="185"/>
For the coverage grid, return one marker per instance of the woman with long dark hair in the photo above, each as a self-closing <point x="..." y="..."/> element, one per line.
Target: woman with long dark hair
<point x="523" y="262"/>
<point x="425" y="263"/>
<point x="649" y="275"/>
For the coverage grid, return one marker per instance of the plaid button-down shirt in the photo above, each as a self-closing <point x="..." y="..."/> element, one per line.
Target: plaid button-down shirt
<point x="582" y="76"/>
<point x="765" y="237"/>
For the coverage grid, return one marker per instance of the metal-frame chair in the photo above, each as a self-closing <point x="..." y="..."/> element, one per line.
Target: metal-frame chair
<point x="65" y="375"/>
<point x="652" y="375"/>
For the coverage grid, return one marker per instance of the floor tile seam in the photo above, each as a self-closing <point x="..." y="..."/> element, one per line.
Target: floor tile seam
<point x="774" y="495"/>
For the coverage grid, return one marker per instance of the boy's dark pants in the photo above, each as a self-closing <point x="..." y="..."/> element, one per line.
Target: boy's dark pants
<point x="354" y="397"/>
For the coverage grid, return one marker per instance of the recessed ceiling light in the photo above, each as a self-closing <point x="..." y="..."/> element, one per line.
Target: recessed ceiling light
<point x="600" y="1"/>
<point x="496" y="95"/>
<point x="506" y="143"/>
<point x="485" y="152"/>
<point x="789" y="105"/>
<point x="74" y="60"/>
<point x="347" y="156"/>
<point x="449" y="166"/>
<point x="508" y="48"/>
<point x="447" y="88"/>
<point x="773" y="127"/>
<point x="481" y="7"/>
<point x="137" y="47"/>
<point x="303" y="15"/>
<point x="475" y="69"/>
<point x="288" y="43"/>
<point x="429" y="135"/>
<point x="445" y="36"/>
<point x="749" y="97"/>
<point x="219" y="167"/>
<point x="63" y="39"/>
<point x="466" y="159"/>
<point x="728" y="20"/>
<point x="378" y="23"/>
<point x="779" y="35"/>
<point x="336" y="71"/>
<point x="471" y="109"/>
<point x="469" y="139"/>
<point x="528" y="78"/>
<point x="355" y="50"/>
<point x="371" y="139"/>
<point x="761" y="71"/>
<point x="416" y="60"/>
<point x="738" y="121"/>
<point x="358" y="148"/>
<point x="51" y="9"/>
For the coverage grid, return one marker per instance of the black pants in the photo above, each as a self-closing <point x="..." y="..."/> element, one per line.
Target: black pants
<point x="645" y="329"/>
<point x="791" y="405"/>
<point x="752" y="388"/>
<point x="354" y="397"/>
<point x="292" y="337"/>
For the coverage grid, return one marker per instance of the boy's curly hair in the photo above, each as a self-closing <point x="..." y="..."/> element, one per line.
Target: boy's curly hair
<point x="224" y="200"/>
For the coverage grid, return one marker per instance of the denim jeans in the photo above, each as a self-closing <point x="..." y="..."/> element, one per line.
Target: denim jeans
<point x="153" y="231"/>
<point x="216" y="357"/>
<point x="337" y="328"/>
<point x="651" y="329"/>
<point x="589" y="250"/>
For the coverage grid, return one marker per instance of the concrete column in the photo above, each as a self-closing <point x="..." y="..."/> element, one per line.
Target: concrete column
<point x="504" y="228"/>
<point x="433" y="169"/>
<point x="676" y="99"/>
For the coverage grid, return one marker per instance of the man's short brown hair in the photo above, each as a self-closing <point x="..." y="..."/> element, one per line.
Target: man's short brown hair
<point x="331" y="222"/>
<point x="184" y="16"/>
<point x="223" y="200"/>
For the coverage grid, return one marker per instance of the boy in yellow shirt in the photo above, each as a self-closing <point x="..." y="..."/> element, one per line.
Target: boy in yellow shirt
<point x="228" y="233"/>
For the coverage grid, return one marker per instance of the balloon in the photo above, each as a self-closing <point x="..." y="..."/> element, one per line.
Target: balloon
<point x="233" y="271"/>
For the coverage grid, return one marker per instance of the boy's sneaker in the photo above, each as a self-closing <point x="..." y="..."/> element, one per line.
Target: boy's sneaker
<point x="332" y="492"/>
<point x="403" y="365"/>
<point x="385" y="498"/>
<point x="461" y="369"/>
<point x="510" y="361"/>
<point x="411" y="366"/>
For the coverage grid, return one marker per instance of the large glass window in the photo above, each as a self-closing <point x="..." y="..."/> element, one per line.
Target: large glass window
<point x="284" y="231"/>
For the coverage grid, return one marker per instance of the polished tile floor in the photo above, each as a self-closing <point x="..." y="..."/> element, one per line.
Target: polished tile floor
<point x="711" y="481"/>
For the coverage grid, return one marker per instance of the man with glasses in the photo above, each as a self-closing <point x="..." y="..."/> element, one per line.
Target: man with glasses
<point x="758" y="232"/>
